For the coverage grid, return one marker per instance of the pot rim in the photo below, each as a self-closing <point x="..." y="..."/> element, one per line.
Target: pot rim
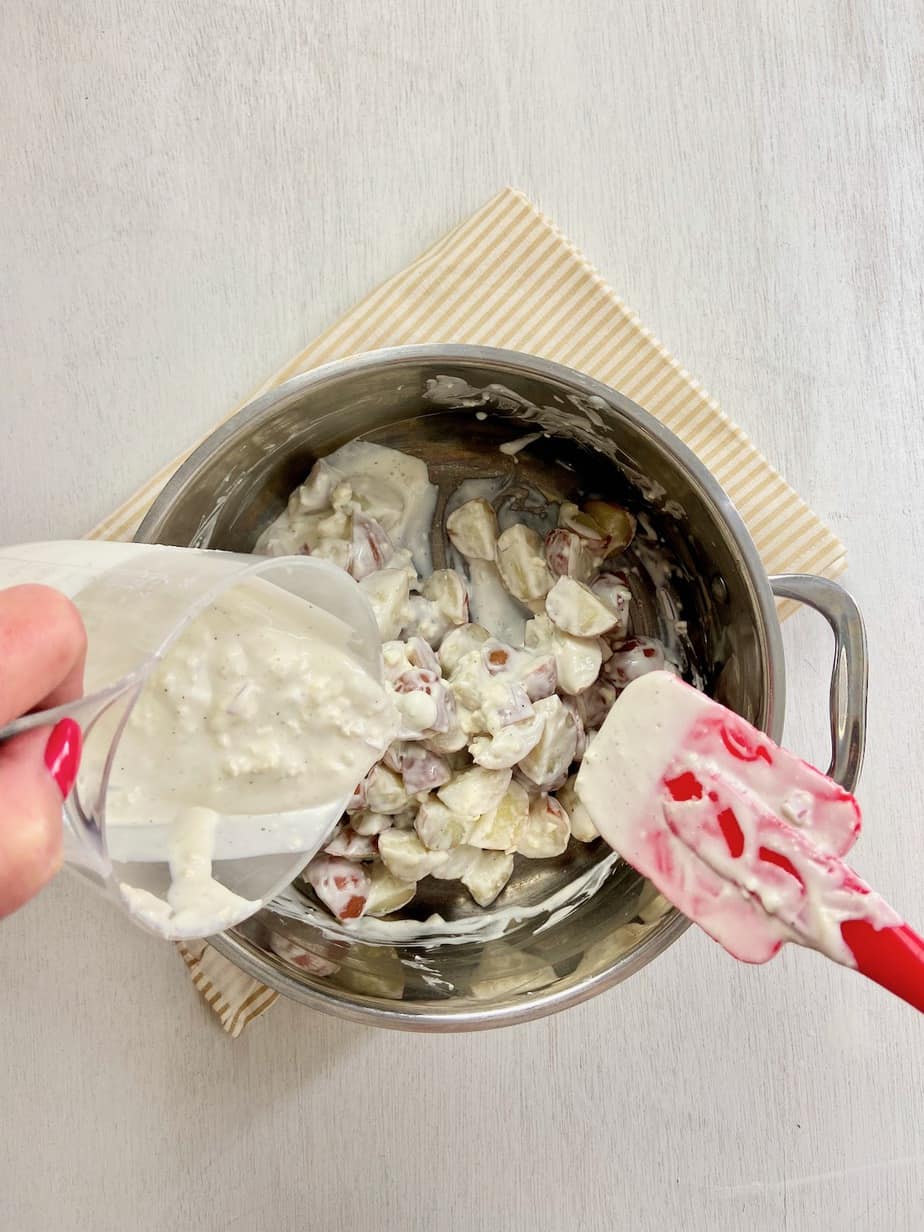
<point x="354" y="1006"/>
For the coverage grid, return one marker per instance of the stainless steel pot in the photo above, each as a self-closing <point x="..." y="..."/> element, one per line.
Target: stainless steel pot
<point x="453" y="405"/>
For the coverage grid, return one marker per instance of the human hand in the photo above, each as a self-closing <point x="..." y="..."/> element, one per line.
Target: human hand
<point x="42" y="651"/>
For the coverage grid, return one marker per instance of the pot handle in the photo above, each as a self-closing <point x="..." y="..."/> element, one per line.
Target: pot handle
<point x="849" y="674"/>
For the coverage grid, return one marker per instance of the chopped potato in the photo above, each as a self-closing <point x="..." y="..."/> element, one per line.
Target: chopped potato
<point x="472" y="530"/>
<point x="487" y="876"/>
<point x="575" y="609"/>
<point x="520" y="558"/>
<point x="547" y="830"/>
<point x="500" y="829"/>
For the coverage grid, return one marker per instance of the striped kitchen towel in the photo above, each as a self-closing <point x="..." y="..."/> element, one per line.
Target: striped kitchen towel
<point x="507" y="277"/>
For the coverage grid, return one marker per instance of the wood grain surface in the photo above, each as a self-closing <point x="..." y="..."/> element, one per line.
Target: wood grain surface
<point x="188" y="191"/>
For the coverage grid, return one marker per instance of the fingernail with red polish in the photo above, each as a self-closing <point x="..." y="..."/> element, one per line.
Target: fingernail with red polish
<point x="62" y="754"/>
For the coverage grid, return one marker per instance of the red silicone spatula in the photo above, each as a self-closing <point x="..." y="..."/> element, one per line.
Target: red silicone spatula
<point x="743" y="837"/>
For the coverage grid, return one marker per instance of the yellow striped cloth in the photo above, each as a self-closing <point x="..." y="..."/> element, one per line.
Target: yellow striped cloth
<point x="233" y="996"/>
<point x="507" y="277"/>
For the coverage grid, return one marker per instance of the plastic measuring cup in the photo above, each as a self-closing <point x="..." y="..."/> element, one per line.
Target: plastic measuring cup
<point x="136" y="599"/>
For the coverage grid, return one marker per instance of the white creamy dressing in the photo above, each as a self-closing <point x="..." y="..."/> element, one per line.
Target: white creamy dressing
<point x="493" y="606"/>
<point x="391" y="487"/>
<point x="196" y="902"/>
<point x="512" y="448"/>
<point x="259" y="713"/>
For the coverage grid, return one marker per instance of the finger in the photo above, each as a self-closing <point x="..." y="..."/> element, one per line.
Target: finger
<point x="37" y="770"/>
<point x="42" y="650"/>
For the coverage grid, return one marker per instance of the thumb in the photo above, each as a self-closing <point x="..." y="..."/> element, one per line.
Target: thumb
<point x="37" y="771"/>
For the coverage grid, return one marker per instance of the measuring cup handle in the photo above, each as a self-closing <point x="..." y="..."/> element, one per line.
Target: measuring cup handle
<point x="850" y="671"/>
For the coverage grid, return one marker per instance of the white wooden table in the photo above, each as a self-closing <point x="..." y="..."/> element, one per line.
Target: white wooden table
<point x="190" y="189"/>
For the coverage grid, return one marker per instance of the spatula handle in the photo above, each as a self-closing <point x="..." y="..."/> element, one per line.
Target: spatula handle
<point x="893" y="957"/>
